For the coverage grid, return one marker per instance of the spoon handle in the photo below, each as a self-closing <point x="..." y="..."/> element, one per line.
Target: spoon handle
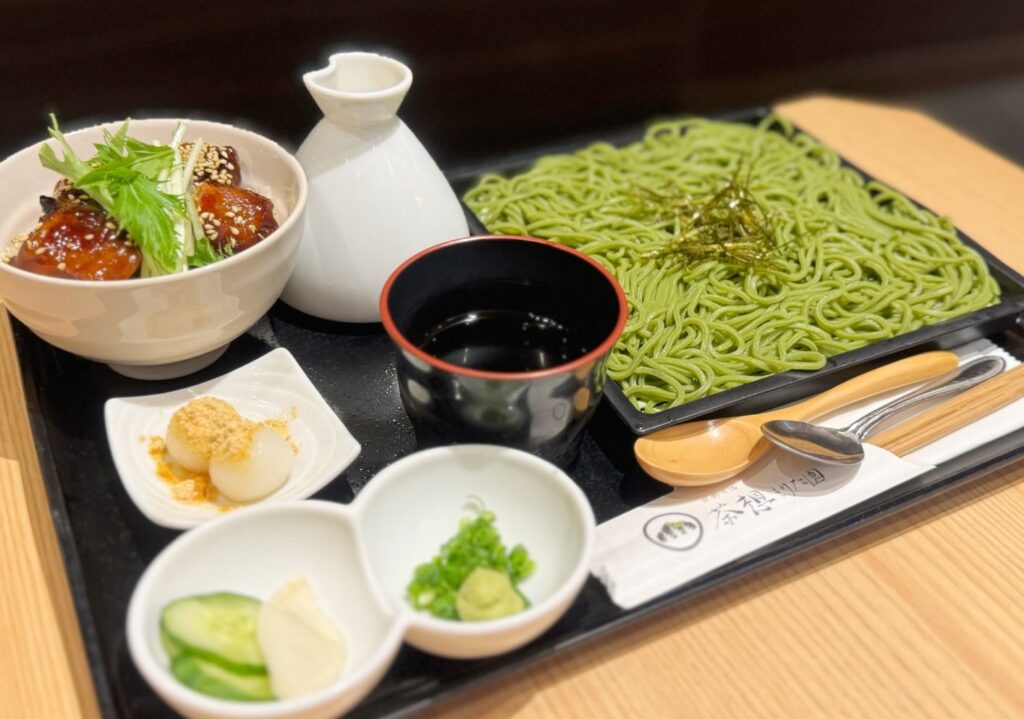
<point x="971" y="373"/>
<point x="953" y="414"/>
<point x="918" y="368"/>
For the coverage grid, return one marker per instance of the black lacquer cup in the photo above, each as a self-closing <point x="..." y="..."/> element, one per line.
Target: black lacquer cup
<point x="502" y="340"/>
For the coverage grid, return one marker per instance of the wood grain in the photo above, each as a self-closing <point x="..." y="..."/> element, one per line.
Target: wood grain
<point x="43" y="669"/>
<point x="918" y="615"/>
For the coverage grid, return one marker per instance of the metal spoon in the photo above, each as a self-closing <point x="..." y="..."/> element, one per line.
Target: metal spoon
<point x="843" y="446"/>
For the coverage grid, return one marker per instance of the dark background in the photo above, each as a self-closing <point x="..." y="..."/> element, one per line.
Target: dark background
<point x="490" y="75"/>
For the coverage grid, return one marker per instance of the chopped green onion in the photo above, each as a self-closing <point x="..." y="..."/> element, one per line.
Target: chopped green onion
<point x="435" y="584"/>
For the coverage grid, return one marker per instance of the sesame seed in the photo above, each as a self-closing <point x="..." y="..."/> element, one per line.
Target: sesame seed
<point x="216" y="222"/>
<point x="111" y="226"/>
<point x="61" y="266"/>
<point x="230" y="166"/>
<point x="90" y="236"/>
<point x="234" y="231"/>
<point x="41" y="250"/>
<point x="230" y="214"/>
<point x="252" y="228"/>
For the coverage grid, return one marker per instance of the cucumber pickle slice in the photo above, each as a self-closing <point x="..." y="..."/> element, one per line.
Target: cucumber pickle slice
<point x="215" y="681"/>
<point x="218" y="628"/>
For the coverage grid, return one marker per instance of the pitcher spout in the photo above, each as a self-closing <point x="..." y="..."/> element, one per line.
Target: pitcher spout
<point x="359" y="89"/>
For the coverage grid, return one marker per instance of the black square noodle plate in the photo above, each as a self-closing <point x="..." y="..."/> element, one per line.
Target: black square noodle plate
<point x="107" y="543"/>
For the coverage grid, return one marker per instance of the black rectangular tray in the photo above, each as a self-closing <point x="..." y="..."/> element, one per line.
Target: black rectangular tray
<point x="107" y="543"/>
<point x="785" y="387"/>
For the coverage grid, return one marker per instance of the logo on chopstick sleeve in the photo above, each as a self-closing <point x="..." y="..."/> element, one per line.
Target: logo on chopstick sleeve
<point x="674" y="530"/>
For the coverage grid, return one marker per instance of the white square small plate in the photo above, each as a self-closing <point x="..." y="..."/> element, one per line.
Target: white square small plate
<point x="267" y="388"/>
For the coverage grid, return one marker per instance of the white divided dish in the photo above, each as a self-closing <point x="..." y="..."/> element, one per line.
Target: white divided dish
<point x="268" y="388"/>
<point x="359" y="560"/>
<point x="255" y="553"/>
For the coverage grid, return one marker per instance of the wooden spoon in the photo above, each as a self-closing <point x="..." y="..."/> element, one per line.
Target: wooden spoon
<point x="709" y="451"/>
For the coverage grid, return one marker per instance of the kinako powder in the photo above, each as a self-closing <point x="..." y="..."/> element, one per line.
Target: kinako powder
<point x="186" y="487"/>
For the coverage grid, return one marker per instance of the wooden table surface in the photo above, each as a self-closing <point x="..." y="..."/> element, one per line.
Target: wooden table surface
<point x="917" y="615"/>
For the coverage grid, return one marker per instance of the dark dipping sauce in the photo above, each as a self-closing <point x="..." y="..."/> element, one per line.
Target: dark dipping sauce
<point x="502" y="341"/>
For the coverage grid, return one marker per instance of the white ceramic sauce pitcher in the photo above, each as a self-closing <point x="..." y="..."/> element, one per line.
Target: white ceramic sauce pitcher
<point x="376" y="197"/>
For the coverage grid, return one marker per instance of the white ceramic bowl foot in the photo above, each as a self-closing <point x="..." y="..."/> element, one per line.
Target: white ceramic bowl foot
<point x="171" y="370"/>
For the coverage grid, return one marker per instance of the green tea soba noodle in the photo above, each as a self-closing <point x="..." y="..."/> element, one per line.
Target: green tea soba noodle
<point x="854" y="261"/>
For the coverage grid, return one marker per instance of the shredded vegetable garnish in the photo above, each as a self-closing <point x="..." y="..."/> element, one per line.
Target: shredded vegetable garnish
<point x="729" y="226"/>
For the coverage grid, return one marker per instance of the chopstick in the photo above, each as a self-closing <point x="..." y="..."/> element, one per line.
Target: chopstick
<point x="953" y="414"/>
